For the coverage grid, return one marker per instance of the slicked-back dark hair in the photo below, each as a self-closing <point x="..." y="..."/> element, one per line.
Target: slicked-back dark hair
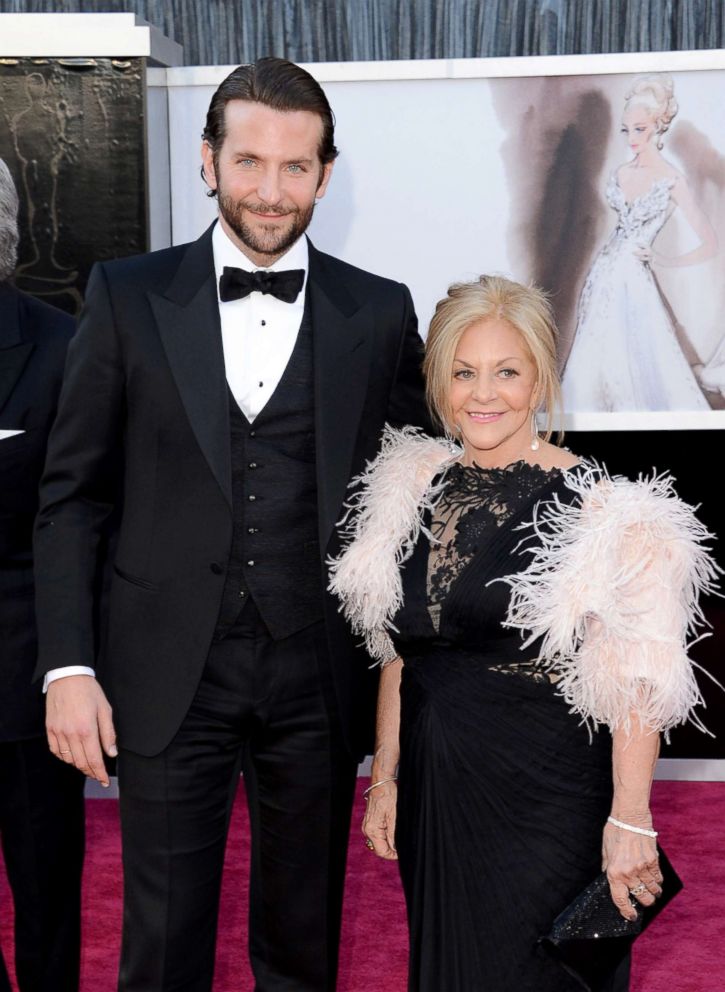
<point x="275" y="83"/>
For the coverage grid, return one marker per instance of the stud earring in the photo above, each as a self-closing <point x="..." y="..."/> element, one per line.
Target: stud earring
<point x="534" y="433"/>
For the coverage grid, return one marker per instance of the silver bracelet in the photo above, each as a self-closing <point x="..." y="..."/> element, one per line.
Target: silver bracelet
<point x="635" y="830"/>
<point x="383" y="781"/>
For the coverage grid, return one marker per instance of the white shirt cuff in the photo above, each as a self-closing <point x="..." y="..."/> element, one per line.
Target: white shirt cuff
<point x="61" y="673"/>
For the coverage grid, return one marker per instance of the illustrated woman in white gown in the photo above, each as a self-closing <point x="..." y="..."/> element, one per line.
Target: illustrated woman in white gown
<point x="625" y="354"/>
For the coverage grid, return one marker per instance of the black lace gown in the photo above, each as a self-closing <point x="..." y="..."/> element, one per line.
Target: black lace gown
<point x="502" y="795"/>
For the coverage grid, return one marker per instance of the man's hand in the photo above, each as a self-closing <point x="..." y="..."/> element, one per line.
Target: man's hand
<point x="78" y="722"/>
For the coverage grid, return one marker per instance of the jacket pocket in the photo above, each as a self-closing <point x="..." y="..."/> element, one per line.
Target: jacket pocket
<point x="135" y="580"/>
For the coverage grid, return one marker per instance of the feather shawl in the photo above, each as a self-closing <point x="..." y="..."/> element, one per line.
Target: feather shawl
<point x="613" y="588"/>
<point x="379" y="529"/>
<point x="611" y="585"/>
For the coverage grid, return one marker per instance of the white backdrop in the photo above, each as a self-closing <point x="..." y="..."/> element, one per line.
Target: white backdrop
<point x="422" y="191"/>
<point x="410" y="196"/>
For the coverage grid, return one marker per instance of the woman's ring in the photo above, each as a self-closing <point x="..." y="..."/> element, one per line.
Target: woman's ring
<point x="638" y="890"/>
<point x="369" y="844"/>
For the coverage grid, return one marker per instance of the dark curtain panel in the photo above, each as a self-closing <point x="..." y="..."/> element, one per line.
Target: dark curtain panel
<point x="224" y="32"/>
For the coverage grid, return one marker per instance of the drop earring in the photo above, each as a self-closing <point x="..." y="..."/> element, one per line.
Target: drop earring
<point x="534" y="433"/>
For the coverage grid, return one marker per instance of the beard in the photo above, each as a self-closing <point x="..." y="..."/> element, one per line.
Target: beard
<point x="273" y="240"/>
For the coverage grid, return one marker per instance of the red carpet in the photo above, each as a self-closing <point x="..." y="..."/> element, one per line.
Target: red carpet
<point x="683" y="952"/>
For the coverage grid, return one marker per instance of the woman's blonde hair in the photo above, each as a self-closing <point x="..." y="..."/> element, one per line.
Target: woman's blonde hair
<point x="656" y="93"/>
<point x="525" y="308"/>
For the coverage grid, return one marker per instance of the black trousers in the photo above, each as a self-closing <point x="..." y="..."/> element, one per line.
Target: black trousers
<point x="259" y="708"/>
<point x="42" y="828"/>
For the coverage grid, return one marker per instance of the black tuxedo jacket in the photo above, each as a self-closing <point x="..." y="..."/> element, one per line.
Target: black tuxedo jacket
<point x="33" y="342"/>
<point x="144" y="407"/>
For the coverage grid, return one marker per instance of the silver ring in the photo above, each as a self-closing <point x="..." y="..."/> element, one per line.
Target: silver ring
<point x="638" y="890"/>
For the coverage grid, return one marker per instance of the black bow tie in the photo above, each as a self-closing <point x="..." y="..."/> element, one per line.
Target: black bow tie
<point x="235" y="284"/>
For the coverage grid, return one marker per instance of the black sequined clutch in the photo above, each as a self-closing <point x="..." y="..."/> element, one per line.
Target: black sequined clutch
<point x="590" y="937"/>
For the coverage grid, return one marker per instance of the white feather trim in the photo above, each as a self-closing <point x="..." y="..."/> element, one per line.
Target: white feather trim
<point x="379" y="529"/>
<point x="613" y="589"/>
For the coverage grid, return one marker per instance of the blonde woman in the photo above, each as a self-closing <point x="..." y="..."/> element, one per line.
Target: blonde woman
<point x="625" y="354"/>
<point x="505" y="765"/>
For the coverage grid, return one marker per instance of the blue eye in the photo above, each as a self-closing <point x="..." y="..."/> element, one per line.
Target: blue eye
<point x="463" y="374"/>
<point x="508" y="373"/>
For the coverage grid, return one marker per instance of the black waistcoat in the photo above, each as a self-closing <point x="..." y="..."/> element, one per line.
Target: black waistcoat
<point x="275" y="553"/>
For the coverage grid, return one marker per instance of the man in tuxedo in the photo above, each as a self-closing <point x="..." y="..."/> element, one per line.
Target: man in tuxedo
<point x="41" y="801"/>
<point x="232" y="387"/>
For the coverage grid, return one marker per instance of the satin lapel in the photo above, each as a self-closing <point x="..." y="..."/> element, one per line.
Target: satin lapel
<point x="342" y="335"/>
<point x="188" y="320"/>
<point x="14" y="352"/>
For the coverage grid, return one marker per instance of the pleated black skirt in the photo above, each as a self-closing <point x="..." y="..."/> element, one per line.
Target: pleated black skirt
<point x="502" y="801"/>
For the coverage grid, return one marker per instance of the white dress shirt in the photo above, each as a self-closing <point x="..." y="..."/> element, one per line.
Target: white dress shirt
<point x="258" y="336"/>
<point x="258" y="332"/>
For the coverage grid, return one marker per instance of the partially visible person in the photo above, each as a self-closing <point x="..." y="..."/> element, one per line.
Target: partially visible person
<point x="41" y="800"/>
<point x="625" y="354"/>
<point x="507" y="801"/>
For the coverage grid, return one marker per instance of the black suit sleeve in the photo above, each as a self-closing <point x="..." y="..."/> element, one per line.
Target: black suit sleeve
<point x="79" y="485"/>
<point x="406" y="404"/>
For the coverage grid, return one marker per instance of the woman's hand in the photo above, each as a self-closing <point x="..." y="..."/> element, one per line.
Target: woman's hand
<point x="644" y="253"/>
<point x="649" y="256"/>
<point x="381" y="797"/>
<point x="632" y="867"/>
<point x="379" y="823"/>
